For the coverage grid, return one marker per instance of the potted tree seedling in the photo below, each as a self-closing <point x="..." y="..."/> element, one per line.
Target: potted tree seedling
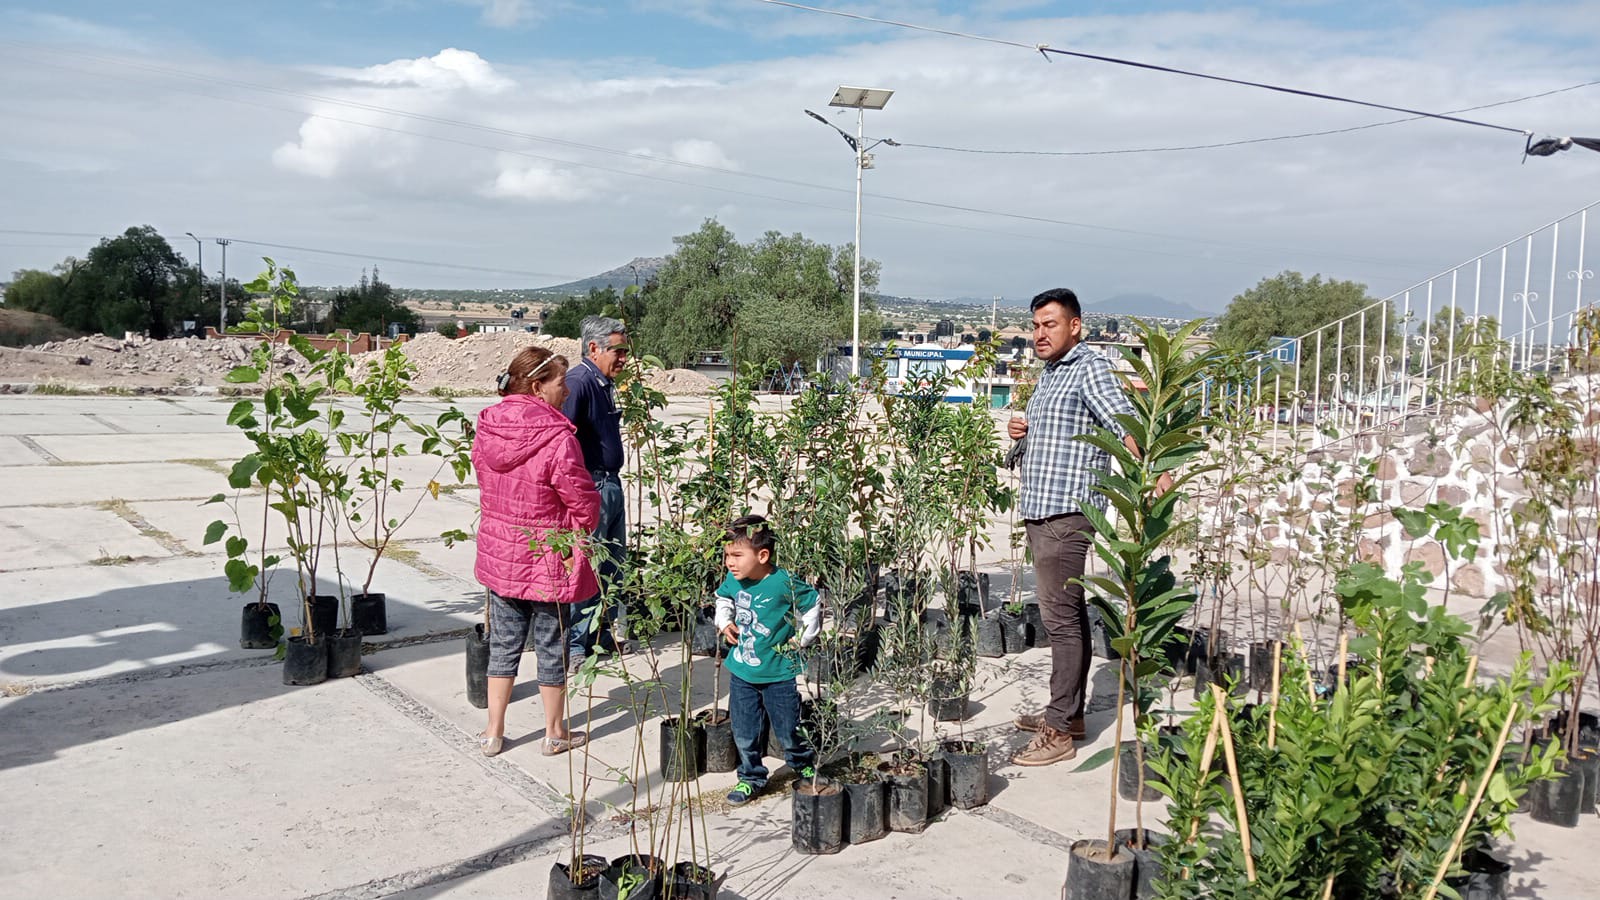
<point x="374" y="448"/>
<point x="1140" y="600"/>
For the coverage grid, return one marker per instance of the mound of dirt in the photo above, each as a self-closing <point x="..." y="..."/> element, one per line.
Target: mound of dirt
<point x="467" y="364"/>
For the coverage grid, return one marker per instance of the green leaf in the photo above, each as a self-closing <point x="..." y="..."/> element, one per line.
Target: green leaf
<point x="242" y="375"/>
<point x="243" y="470"/>
<point x="237" y="546"/>
<point x="215" y="531"/>
<point x="216" y="498"/>
<point x="242" y="411"/>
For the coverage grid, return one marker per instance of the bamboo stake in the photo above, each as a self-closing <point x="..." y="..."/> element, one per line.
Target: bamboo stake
<point x="1472" y="671"/>
<point x="1272" y="711"/>
<point x="1238" y="789"/>
<point x="1207" y="756"/>
<point x="1344" y="652"/>
<point x="1472" y="808"/>
<point x="1327" y="887"/>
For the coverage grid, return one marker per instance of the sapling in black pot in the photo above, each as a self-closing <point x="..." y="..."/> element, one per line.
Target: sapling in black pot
<point x="371" y="509"/>
<point x="1140" y="600"/>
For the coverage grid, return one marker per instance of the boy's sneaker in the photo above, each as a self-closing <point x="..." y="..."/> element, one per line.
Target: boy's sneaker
<point x="741" y="793"/>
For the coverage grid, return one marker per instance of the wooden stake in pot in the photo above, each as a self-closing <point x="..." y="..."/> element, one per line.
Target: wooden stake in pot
<point x="1472" y="808"/>
<point x="1272" y="711"/>
<point x="1233" y="776"/>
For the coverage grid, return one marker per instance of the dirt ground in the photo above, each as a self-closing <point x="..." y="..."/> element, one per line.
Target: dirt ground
<point x="101" y="363"/>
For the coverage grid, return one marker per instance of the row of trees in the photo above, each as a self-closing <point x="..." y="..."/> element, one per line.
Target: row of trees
<point x="782" y="298"/>
<point x="138" y="282"/>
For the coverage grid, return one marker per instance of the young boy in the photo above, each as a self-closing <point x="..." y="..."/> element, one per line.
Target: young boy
<point x="767" y="617"/>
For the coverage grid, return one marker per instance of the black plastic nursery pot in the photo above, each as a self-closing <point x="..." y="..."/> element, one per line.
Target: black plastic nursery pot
<point x="683" y="749"/>
<point x="305" y="662"/>
<point x="1176" y="649"/>
<point x="344" y="653"/>
<point x="691" y="881"/>
<point x="1099" y="637"/>
<point x="1014" y="628"/>
<point x="938" y="784"/>
<point x="1487" y="877"/>
<point x="255" y="626"/>
<point x="989" y="637"/>
<point x="1588" y="728"/>
<point x="868" y="642"/>
<point x="704" y="639"/>
<point x="638" y="874"/>
<point x="968" y="765"/>
<point x="946" y="701"/>
<point x="563" y="886"/>
<point x="478" y="667"/>
<point x="1095" y="874"/>
<point x="972" y="594"/>
<point x="1558" y="800"/>
<point x="1203" y="646"/>
<point x="722" y="754"/>
<point x="1261" y="653"/>
<point x="1037" y="637"/>
<point x="1146" y="859"/>
<point x="324" y="614"/>
<point x="1587" y="762"/>
<point x="908" y="795"/>
<point x="866" y="810"/>
<point x="369" y="613"/>
<point x="818" y="816"/>
<point x="1128" y="770"/>
<point x="1225" y="670"/>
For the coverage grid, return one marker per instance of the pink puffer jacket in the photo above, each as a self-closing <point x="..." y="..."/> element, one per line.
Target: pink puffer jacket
<point x="532" y="480"/>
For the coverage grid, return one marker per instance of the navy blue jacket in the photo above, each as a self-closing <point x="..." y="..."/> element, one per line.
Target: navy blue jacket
<point x="592" y="406"/>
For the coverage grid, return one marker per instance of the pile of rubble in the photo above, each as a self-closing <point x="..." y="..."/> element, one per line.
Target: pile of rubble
<point x="467" y="364"/>
<point x="135" y="361"/>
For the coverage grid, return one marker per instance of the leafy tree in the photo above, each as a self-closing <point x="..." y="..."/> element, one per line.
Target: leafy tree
<point x="566" y="320"/>
<point x="781" y="297"/>
<point x="369" y="307"/>
<point x="1290" y="305"/>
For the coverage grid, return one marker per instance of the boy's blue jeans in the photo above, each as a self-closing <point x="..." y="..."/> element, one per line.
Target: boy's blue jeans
<point x="756" y="706"/>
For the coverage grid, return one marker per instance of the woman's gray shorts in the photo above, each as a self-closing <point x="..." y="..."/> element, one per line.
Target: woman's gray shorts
<point x="515" y="625"/>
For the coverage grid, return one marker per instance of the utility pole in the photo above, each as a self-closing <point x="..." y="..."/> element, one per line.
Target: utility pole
<point x="199" y="264"/>
<point x="222" y="293"/>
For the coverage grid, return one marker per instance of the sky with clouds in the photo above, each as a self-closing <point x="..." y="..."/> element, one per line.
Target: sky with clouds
<point x="518" y="143"/>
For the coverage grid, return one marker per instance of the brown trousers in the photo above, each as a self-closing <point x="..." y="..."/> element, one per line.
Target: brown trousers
<point x="1060" y="547"/>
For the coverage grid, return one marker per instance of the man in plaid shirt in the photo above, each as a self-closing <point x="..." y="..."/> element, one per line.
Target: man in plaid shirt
<point x="1077" y="392"/>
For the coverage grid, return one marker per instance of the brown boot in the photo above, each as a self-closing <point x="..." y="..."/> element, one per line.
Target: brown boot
<point x="1048" y="746"/>
<point x="1076" y="728"/>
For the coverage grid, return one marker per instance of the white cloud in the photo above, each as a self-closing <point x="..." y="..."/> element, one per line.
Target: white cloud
<point x="701" y="153"/>
<point x="449" y="69"/>
<point x="536" y="181"/>
<point x="1386" y="206"/>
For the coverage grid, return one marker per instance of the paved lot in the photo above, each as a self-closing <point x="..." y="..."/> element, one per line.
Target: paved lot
<point x="142" y="753"/>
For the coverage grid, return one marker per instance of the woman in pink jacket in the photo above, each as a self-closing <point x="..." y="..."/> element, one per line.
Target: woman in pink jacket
<point x="533" y="488"/>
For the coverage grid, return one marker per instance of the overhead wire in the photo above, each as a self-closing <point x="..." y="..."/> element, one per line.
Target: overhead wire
<point x="952" y="207"/>
<point x="1242" y="142"/>
<point x="1046" y="50"/>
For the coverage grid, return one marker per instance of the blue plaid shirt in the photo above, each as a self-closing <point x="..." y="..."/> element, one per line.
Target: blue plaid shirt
<point x="1075" y="394"/>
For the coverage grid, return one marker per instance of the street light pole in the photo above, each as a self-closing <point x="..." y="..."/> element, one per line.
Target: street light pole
<point x="222" y="288"/>
<point x="855" y="317"/>
<point x="860" y="99"/>
<point x="199" y="265"/>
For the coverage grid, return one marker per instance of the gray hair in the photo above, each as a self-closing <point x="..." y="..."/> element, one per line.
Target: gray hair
<point x="598" y="330"/>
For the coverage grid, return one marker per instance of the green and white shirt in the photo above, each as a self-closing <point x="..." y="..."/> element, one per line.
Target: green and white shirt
<point x="768" y="614"/>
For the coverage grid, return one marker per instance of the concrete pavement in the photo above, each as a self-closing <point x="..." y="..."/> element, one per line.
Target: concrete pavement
<point x="142" y="753"/>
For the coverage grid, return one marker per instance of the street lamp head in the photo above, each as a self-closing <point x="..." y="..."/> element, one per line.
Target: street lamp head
<point x="861" y="98"/>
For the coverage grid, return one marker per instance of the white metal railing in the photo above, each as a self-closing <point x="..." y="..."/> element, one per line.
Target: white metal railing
<point x="1390" y="360"/>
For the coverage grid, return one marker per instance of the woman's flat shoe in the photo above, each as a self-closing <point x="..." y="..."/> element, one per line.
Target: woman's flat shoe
<point x="558" y="746"/>
<point x="491" y="746"/>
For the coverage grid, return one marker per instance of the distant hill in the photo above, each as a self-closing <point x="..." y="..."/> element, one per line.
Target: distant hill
<point x="638" y="271"/>
<point x="1145" y="305"/>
